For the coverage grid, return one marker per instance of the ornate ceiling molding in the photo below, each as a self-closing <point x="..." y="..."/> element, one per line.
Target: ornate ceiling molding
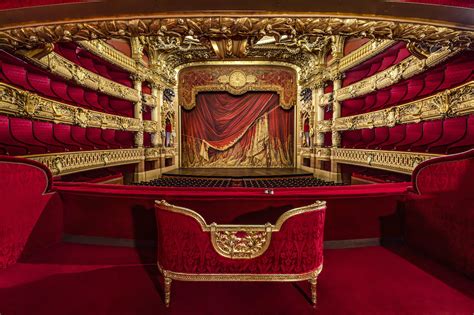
<point x="14" y="101"/>
<point x="219" y="27"/>
<point x="237" y="80"/>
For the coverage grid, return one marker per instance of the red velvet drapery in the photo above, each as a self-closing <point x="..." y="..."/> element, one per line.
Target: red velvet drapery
<point x="247" y="130"/>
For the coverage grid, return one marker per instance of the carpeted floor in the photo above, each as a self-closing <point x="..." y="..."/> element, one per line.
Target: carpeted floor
<point x="88" y="279"/>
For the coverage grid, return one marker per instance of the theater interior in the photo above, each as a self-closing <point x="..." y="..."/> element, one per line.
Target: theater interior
<point x="241" y="157"/>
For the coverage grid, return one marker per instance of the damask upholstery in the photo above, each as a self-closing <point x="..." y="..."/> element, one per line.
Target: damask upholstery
<point x="291" y="249"/>
<point x="439" y="213"/>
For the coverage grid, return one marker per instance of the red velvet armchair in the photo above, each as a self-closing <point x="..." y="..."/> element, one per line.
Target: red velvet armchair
<point x="290" y="250"/>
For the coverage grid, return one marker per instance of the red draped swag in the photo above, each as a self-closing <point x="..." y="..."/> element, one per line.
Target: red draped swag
<point x="249" y="130"/>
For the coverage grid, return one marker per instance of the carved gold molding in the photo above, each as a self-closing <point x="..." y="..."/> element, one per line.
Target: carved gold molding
<point x="363" y="53"/>
<point x="323" y="126"/>
<point x="72" y="162"/>
<point x="403" y="70"/>
<point x="323" y="153"/>
<point x="68" y="70"/>
<point x="109" y="53"/>
<point x="14" y="101"/>
<point x="151" y="126"/>
<point x="235" y="27"/>
<point x="395" y="161"/>
<point x="450" y="103"/>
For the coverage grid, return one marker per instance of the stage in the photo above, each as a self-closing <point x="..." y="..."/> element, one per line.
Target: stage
<point x="238" y="173"/>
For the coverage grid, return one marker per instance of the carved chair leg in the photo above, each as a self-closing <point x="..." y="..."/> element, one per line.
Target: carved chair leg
<point x="167" y="291"/>
<point x="314" y="282"/>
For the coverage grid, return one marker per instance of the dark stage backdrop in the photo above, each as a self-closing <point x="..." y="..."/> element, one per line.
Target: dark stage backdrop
<point x="250" y="130"/>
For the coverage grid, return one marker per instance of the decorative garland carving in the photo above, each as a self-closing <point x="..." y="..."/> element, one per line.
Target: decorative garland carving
<point x="233" y="27"/>
<point x="403" y="70"/>
<point x="450" y="103"/>
<point x="68" y="70"/>
<point x="363" y="53"/>
<point x="323" y="126"/>
<point x="72" y="162"/>
<point x="150" y="126"/>
<point x="396" y="161"/>
<point x="237" y="80"/>
<point x="14" y="101"/>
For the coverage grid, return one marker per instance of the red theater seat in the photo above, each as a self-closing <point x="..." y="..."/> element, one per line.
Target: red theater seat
<point x="432" y="132"/>
<point x="413" y="133"/>
<point x="414" y="88"/>
<point x="352" y="106"/>
<point x="62" y="133"/>
<point x="77" y="95"/>
<point x="108" y="135"/>
<point x="454" y="129"/>
<point x="9" y="145"/>
<point x="387" y="61"/>
<point x="102" y="70"/>
<point x="41" y="84"/>
<point x="93" y="100"/>
<point x="121" y="106"/>
<point x="457" y="73"/>
<point x="433" y="80"/>
<point x="350" y="138"/>
<point x="397" y="93"/>
<point x="22" y="131"/>
<point x="60" y="90"/>
<point x="16" y="75"/>
<point x="355" y="75"/>
<point x="403" y="53"/>
<point x="467" y="142"/>
<point x="381" y="136"/>
<point x="43" y="132"/>
<point x="374" y="68"/>
<point x="94" y="135"/>
<point x="78" y="134"/>
<point x="396" y="135"/>
<point x="125" y="138"/>
<point x="367" y="136"/>
<point x="381" y="99"/>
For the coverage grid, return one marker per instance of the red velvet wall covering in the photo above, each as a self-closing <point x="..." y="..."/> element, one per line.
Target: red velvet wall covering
<point x="30" y="213"/>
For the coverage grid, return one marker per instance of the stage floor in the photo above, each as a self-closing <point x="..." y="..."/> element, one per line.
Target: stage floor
<point x="237" y="172"/>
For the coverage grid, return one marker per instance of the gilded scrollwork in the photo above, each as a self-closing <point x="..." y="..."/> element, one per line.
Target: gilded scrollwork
<point x="403" y="70"/>
<point x="72" y="162"/>
<point x="396" y="161"/>
<point x="454" y="102"/>
<point x="66" y="69"/>
<point x="21" y="103"/>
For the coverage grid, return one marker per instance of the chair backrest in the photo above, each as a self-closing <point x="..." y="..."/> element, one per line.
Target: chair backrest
<point x="182" y="232"/>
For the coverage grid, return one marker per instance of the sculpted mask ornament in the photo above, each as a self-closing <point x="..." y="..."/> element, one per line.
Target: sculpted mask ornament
<point x="81" y="117"/>
<point x="31" y="104"/>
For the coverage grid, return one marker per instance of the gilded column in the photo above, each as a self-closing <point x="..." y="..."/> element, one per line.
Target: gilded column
<point x="318" y="92"/>
<point x="157" y="92"/>
<point x="137" y="109"/>
<point x="337" y="52"/>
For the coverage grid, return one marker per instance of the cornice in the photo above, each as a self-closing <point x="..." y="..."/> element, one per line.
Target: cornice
<point x="14" y="101"/>
<point x="363" y="53"/>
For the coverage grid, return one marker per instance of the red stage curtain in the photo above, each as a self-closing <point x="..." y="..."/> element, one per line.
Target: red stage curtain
<point x="228" y="130"/>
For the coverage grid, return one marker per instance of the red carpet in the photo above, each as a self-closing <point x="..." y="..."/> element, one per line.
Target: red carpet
<point x="86" y="279"/>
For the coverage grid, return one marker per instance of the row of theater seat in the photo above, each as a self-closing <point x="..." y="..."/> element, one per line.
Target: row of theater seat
<point x="93" y="63"/>
<point x="186" y="182"/>
<point x="443" y="136"/>
<point x="287" y="182"/>
<point x="388" y="58"/>
<point x="454" y="72"/>
<point x="22" y="136"/>
<point x="28" y="77"/>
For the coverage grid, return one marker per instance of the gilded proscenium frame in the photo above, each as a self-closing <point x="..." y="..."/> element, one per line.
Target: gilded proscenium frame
<point x="171" y="275"/>
<point x="63" y="163"/>
<point x="21" y="103"/>
<point x="396" y="161"/>
<point x="221" y="78"/>
<point x="247" y="62"/>
<point x="454" y="102"/>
